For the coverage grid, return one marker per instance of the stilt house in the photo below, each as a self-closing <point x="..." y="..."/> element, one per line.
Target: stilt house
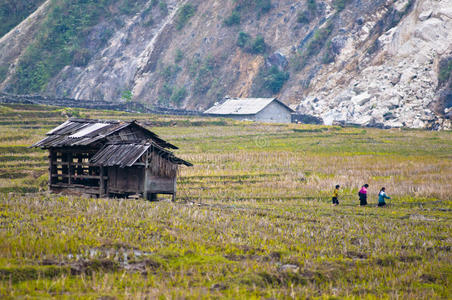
<point x="110" y="158"/>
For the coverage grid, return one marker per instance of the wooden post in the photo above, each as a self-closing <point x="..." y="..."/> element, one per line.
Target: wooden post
<point x="174" y="192"/>
<point x="102" y="182"/>
<point x="51" y="159"/>
<point x="69" y="166"/>
<point x="145" y="184"/>
<point x="64" y="165"/>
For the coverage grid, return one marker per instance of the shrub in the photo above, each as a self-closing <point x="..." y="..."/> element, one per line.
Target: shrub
<point x="445" y="70"/>
<point x="304" y="17"/>
<point x="312" y="5"/>
<point x="243" y="39"/>
<point x="127" y="95"/>
<point x="163" y="8"/>
<point x="319" y="39"/>
<point x="185" y="13"/>
<point x="169" y="72"/>
<point x="258" y="46"/>
<point x="339" y="5"/>
<point x="273" y="79"/>
<point x="264" y="5"/>
<point x="233" y="19"/>
<point x="261" y="6"/>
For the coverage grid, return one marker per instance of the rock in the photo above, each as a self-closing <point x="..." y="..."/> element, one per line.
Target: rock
<point x="394" y="102"/>
<point x="289" y="268"/>
<point x="395" y="78"/>
<point x="401" y="5"/>
<point x="374" y="124"/>
<point x="425" y="15"/>
<point x="337" y="43"/>
<point x="277" y="59"/>
<point x="331" y="116"/>
<point x="306" y="119"/>
<point x="361" y="99"/>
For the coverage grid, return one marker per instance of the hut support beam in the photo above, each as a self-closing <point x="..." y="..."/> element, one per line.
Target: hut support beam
<point x="102" y="182"/>
<point x="145" y="185"/>
<point x="51" y="168"/>
<point x="69" y="179"/>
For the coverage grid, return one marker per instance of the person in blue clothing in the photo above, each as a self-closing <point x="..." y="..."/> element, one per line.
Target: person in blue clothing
<point x="382" y="196"/>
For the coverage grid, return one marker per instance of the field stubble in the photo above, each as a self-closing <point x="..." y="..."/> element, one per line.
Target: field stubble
<point x="253" y="217"/>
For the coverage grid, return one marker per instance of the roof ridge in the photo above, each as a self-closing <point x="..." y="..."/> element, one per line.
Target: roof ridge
<point x="82" y="120"/>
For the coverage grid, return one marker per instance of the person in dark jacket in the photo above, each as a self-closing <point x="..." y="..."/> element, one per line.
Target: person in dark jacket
<point x="382" y="196"/>
<point x="336" y="195"/>
<point x="363" y="195"/>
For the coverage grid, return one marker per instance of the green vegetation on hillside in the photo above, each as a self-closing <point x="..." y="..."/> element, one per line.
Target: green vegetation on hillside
<point x="272" y="79"/>
<point x="253" y="218"/>
<point x="12" y="12"/>
<point x="184" y="14"/>
<point x="316" y="45"/>
<point x="233" y="19"/>
<point x="319" y="39"/>
<point x="261" y="6"/>
<point x="340" y="4"/>
<point x="246" y="7"/>
<point x="445" y="71"/>
<point x="255" y="46"/>
<point x="61" y="40"/>
<point x="308" y="15"/>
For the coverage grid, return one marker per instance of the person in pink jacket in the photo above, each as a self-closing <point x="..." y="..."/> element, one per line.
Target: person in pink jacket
<point x="363" y="195"/>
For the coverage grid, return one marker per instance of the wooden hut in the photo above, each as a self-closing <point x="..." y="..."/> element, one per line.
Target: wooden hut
<point x="110" y="158"/>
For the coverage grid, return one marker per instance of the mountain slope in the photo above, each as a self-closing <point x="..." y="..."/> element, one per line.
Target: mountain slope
<point x="354" y="61"/>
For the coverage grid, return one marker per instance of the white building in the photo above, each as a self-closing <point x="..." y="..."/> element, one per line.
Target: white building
<point x="269" y="110"/>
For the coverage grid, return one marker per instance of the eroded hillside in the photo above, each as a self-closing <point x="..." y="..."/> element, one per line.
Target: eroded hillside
<point x="356" y="61"/>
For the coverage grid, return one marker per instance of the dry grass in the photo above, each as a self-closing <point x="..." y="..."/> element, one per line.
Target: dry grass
<point x="256" y="200"/>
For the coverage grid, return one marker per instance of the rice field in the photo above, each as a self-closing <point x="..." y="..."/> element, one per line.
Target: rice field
<point x="253" y="217"/>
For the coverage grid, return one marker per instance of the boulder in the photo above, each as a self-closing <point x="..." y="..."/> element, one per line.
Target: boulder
<point x="425" y="15"/>
<point x="277" y="59"/>
<point x="361" y="99"/>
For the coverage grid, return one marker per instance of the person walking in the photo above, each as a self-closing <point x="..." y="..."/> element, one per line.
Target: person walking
<point x="363" y="195"/>
<point x="382" y="196"/>
<point x="336" y="195"/>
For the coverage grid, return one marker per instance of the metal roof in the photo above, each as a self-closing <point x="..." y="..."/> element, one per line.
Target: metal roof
<point x="84" y="132"/>
<point x="127" y="154"/>
<point x="242" y="106"/>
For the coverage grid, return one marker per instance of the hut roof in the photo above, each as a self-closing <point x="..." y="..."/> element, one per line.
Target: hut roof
<point x="84" y="132"/>
<point x="127" y="154"/>
<point x="243" y="106"/>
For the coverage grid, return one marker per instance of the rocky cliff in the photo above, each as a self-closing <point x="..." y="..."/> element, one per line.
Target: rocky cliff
<point x="368" y="62"/>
